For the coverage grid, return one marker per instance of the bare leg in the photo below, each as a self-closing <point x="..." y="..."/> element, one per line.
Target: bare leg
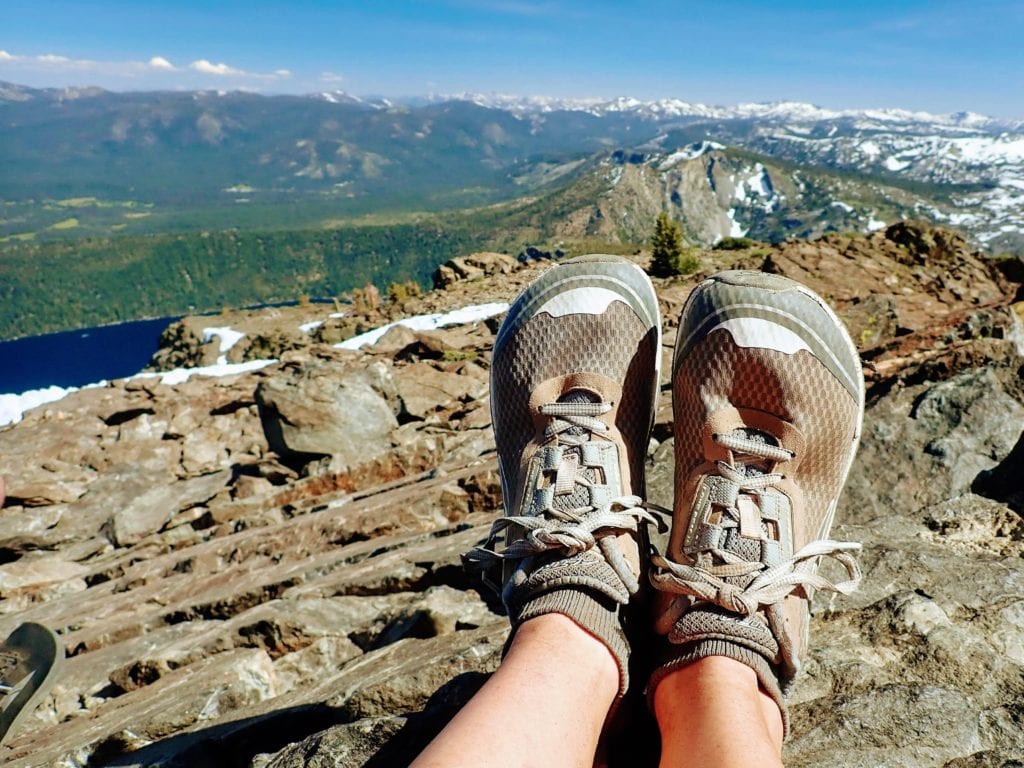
<point x="712" y="713"/>
<point x="545" y="705"/>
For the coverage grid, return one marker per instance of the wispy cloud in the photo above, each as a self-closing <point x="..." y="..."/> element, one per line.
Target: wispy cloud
<point x="332" y="78"/>
<point x="525" y="9"/>
<point x="52" y="62"/>
<point x="515" y="7"/>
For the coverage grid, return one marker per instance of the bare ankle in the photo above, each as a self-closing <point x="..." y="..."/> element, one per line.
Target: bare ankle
<point x="559" y="637"/>
<point x="698" y="707"/>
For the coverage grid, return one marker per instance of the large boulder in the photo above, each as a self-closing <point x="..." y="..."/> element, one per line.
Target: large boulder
<point x="319" y="408"/>
<point x="474" y="267"/>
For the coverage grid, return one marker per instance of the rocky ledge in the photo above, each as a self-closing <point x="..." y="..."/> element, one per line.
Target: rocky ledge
<point x="262" y="569"/>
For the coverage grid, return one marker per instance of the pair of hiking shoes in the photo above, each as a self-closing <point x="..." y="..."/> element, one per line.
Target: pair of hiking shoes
<point x="767" y="406"/>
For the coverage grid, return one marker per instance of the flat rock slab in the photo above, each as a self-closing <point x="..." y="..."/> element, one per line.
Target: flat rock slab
<point x="201" y="692"/>
<point x="402" y="677"/>
<point x="36" y="573"/>
<point x="148" y="512"/>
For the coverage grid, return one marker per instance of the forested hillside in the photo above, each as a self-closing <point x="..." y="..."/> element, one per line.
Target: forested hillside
<point x="69" y="284"/>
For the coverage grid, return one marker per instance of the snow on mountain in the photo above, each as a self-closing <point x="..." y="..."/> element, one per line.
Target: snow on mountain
<point x="689" y="153"/>
<point x="798" y="113"/>
<point x="985" y="173"/>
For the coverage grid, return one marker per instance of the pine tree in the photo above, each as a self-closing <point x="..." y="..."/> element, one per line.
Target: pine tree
<point x="667" y="248"/>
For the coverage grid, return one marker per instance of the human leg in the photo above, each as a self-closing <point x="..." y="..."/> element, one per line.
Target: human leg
<point x="768" y="399"/>
<point x="549" y="698"/>
<point x="699" y="708"/>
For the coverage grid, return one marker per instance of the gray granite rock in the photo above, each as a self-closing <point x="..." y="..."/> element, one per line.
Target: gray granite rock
<point x="318" y="410"/>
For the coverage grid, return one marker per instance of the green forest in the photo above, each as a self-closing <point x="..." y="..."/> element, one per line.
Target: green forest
<point x="66" y="284"/>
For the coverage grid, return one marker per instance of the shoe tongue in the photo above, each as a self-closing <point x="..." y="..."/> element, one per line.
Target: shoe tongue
<point x="578" y="396"/>
<point x="755" y="436"/>
<point x="580" y="495"/>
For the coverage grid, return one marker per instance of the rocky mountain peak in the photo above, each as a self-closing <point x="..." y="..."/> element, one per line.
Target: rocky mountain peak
<point x="262" y="569"/>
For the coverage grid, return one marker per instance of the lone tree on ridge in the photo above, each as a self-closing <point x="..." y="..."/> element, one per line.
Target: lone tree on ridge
<point x="667" y="249"/>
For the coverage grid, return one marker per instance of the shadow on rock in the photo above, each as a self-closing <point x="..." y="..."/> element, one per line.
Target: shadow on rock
<point x="381" y="742"/>
<point x="227" y="745"/>
<point x="302" y="736"/>
<point x="1004" y="481"/>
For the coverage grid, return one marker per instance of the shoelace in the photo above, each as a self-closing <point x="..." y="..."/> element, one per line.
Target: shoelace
<point x="774" y="582"/>
<point x="575" y="530"/>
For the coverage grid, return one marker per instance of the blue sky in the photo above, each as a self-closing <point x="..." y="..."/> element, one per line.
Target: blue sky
<point x="940" y="56"/>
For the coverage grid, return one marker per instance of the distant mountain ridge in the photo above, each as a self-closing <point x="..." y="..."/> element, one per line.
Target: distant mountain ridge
<point x="84" y="161"/>
<point x="794" y="111"/>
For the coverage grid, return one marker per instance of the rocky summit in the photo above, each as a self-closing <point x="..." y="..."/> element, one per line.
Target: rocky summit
<point x="262" y="570"/>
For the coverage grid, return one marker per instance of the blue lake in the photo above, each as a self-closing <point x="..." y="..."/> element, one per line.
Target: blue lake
<point x="74" y="358"/>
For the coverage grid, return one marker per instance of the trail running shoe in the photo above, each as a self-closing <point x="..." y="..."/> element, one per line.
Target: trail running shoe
<point x="768" y="399"/>
<point x="30" y="659"/>
<point x="574" y="379"/>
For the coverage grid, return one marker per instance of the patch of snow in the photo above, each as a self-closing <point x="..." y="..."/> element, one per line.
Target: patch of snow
<point x="691" y="152"/>
<point x="311" y="326"/>
<point x="894" y="164"/>
<point x="179" y="375"/>
<point x="873" y="223"/>
<point x="740" y="193"/>
<point x="228" y="337"/>
<point x="871" y="149"/>
<point x="428" y="322"/>
<point x="735" y="230"/>
<point x="841" y="205"/>
<point x="759" y="183"/>
<point x="13" y="407"/>
<point x="988" y="150"/>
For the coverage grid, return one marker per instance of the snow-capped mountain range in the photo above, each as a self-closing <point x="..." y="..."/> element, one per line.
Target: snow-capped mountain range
<point x="778" y="111"/>
<point x="365" y="154"/>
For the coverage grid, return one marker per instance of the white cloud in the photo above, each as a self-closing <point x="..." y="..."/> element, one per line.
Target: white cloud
<point x="53" y="61"/>
<point x="44" y="68"/>
<point x="209" y="68"/>
<point x="224" y="70"/>
<point x="331" y="77"/>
